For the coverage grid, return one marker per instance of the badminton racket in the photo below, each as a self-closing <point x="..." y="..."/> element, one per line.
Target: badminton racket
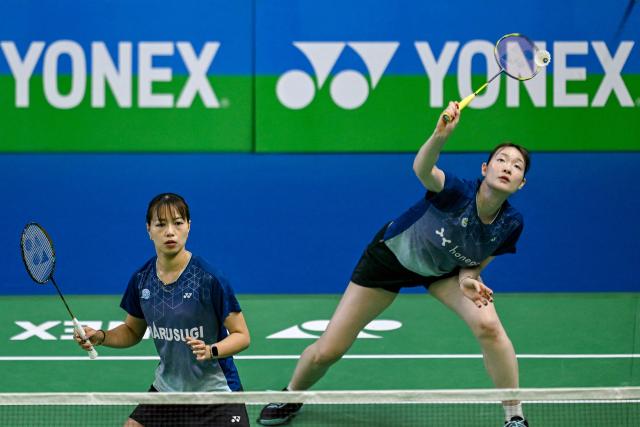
<point x="518" y="57"/>
<point x="39" y="259"/>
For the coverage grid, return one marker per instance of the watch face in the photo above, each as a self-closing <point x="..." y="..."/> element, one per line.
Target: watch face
<point x="214" y="350"/>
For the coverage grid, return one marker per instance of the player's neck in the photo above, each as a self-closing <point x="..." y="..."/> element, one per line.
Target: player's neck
<point x="168" y="265"/>
<point x="489" y="203"/>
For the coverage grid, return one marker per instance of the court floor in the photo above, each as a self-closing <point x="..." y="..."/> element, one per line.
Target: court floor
<point x="562" y="340"/>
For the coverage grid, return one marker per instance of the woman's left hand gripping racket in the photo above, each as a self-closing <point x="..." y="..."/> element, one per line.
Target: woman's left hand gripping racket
<point x="40" y="260"/>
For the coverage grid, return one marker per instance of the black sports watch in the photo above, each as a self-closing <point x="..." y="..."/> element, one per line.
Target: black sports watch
<point x="214" y="351"/>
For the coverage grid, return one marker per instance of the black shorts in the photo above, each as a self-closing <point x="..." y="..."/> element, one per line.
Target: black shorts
<point x="230" y="414"/>
<point x="378" y="267"/>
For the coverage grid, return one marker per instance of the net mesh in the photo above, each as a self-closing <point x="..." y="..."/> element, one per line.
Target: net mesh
<point x="516" y="56"/>
<point x="37" y="253"/>
<point x="543" y="407"/>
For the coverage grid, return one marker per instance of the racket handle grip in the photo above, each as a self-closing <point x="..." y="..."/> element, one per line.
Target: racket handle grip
<point x="466" y="101"/>
<point x="80" y="330"/>
<point x="93" y="353"/>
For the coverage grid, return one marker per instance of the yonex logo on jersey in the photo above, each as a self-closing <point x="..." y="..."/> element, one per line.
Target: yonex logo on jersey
<point x="235" y="419"/>
<point x="441" y="234"/>
<point x="464" y="222"/>
<point x="349" y="89"/>
<point x="145" y="294"/>
<point x="187" y="295"/>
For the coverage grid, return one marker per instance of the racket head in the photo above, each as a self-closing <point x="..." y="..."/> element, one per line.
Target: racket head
<point x="516" y="56"/>
<point x="38" y="254"/>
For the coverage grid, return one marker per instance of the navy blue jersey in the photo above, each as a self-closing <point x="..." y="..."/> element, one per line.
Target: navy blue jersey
<point x="443" y="231"/>
<point x="195" y="305"/>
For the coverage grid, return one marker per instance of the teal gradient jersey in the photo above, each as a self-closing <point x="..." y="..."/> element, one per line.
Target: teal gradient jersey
<point x="195" y="305"/>
<point x="443" y="231"/>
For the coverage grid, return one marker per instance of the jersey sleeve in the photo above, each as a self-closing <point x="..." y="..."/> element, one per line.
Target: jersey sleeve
<point x="224" y="298"/>
<point x="131" y="298"/>
<point x="454" y="192"/>
<point x="509" y="245"/>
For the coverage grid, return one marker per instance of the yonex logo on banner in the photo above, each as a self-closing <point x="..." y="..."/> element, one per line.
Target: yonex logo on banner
<point x="117" y="73"/>
<point x="349" y="89"/>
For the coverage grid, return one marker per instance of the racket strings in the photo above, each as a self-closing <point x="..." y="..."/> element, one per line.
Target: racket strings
<point x="516" y="56"/>
<point x="37" y="252"/>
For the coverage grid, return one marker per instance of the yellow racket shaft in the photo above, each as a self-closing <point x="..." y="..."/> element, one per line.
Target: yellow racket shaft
<point x="465" y="102"/>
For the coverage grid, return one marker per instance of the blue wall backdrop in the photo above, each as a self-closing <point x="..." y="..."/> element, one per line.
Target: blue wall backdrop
<point x="277" y="222"/>
<point x="298" y="223"/>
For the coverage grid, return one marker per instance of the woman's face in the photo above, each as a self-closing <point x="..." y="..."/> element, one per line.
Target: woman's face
<point x="169" y="232"/>
<point x="505" y="171"/>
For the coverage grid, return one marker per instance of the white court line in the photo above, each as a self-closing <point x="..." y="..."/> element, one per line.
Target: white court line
<point x="348" y="356"/>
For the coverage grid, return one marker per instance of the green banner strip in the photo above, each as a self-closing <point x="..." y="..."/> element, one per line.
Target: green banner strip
<point x="41" y="127"/>
<point x="396" y="117"/>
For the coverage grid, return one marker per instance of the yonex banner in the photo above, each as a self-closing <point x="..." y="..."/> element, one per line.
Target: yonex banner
<point x="126" y="76"/>
<point x="302" y="76"/>
<point x="375" y="75"/>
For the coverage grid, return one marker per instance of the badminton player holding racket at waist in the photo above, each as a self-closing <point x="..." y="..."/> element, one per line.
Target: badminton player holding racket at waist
<point x="443" y="243"/>
<point x="194" y="318"/>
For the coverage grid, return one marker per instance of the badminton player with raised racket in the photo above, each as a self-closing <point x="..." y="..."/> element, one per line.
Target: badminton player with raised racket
<point x="193" y="317"/>
<point x="442" y="243"/>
